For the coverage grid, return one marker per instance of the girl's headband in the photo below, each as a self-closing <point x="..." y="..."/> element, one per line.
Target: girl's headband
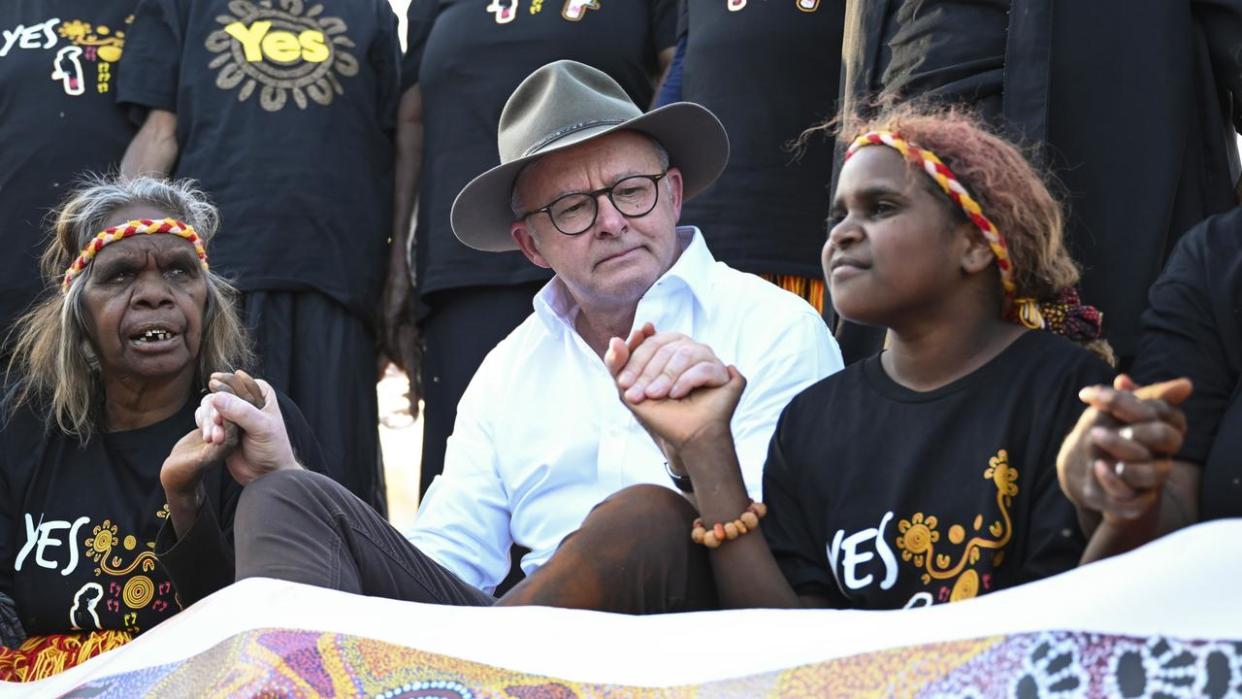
<point x="944" y="177"/>
<point x="144" y="226"/>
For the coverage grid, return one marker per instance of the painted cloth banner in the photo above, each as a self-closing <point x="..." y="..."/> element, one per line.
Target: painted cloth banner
<point x="1163" y="621"/>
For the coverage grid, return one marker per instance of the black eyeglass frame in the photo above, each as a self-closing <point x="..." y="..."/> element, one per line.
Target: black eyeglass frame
<point x="594" y="198"/>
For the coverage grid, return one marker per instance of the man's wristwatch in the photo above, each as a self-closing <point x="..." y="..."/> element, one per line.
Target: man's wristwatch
<point x="683" y="483"/>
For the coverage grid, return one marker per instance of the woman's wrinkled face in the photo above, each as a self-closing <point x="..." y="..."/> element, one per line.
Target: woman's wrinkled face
<point x="145" y="299"/>
<point x="893" y="249"/>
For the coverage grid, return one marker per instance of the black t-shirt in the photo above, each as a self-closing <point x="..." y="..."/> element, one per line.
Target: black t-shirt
<point x="1193" y="328"/>
<point x="881" y="497"/>
<point x="953" y="51"/>
<point x="769" y="70"/>
<point x="284" y="115"/>
<point x="58" y="72"/>
<point x="80" y="526"/>
<point x="467" y="58"/>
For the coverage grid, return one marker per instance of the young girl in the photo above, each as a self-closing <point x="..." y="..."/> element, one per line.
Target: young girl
<point x="927" y="473"/>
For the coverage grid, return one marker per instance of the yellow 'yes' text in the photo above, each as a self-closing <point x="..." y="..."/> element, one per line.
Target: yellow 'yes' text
<point x="259" y="42"/>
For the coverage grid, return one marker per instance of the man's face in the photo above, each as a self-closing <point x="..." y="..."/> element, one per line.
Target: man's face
<point x="615" y="261"/>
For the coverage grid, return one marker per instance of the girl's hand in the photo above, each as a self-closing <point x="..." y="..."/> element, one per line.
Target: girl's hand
<point x="678" y="389"/>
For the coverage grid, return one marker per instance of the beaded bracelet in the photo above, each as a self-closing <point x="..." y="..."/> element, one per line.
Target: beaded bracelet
<point x="721" y="532"/>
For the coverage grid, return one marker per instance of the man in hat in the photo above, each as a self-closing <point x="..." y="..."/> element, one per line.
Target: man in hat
<point x="543" y="447"/>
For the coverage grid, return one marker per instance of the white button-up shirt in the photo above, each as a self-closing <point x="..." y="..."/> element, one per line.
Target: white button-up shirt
<point x="542" y="436"/>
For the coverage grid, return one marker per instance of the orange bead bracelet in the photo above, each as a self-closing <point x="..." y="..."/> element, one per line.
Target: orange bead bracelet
<point x="721" y="532"/>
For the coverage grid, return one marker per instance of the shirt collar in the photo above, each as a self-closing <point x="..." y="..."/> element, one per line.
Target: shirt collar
<point x="692" y="271"/>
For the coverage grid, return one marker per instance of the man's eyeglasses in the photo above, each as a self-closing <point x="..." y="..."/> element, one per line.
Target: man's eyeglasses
<point x="574" y="214"/>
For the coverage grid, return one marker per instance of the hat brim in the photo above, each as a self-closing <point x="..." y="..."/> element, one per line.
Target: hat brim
<point x="696" y="142"/>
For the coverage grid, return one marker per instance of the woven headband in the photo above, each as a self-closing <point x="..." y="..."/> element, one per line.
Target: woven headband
<point x="131" y="228"/>
<point x="944" y="177"/>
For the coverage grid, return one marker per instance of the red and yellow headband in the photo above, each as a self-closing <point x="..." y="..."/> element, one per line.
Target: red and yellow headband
<point x="952" y="187"/>
<point x="131" y="228"/>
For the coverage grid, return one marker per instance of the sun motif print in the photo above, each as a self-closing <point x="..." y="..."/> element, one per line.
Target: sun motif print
<point x="285" y="50"/>
<point x="128" y="579"/>
<point x="919" y="540"/>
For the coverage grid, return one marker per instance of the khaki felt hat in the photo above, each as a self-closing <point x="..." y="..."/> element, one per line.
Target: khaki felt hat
<point x="566" y="103"/>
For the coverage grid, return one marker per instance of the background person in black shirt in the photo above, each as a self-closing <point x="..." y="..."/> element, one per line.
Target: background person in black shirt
<point x="461" y="63"/>
<point x="59" y="63"/>
<point x="283" y="111"/>
<point x="927" y="473"/>
<point x="1128" y="103"/>
<point x="98" y="534"/>
<point x="770" y="71"/>
<point x="1192" y="329"/>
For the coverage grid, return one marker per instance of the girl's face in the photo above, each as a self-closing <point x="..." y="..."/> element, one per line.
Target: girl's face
<point x="894" y="251"/>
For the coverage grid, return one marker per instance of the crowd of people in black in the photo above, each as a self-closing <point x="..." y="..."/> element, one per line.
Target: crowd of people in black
<point x="707" y="303"/>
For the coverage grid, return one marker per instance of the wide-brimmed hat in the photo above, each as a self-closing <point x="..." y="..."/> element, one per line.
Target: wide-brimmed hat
<point x="566" y="103"/>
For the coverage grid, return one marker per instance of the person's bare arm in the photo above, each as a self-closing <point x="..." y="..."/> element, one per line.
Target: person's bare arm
<point x="398" y="328"/>
<point x="153" y="150"/>
<point x="688" y="413"/>
<point x="665" y="60"/>
<point x="747" y="575"/>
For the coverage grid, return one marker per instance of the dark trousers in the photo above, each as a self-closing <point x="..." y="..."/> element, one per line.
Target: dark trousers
<point x="323" y="357"/>
<point x="632" y="554"/>
<point x="461" y="327"/>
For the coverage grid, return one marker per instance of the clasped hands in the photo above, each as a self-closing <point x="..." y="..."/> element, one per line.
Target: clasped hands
<point x="1117" y="459"/>
<point x="238" y="422"/>
<point x="678" y="389"/>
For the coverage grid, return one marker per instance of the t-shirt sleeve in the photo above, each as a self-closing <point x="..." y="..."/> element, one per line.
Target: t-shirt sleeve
<point x="200" y="562"/>
<point x="787" y="528"/>
<point x="385" y="56"/>
<point x="1181" y="337"/>
<point x="8" y="516"/>
<point x="17" y="447"/>
<point x="20" y="449"/>
<point x="1054" y="541"/>
<point x="420" y="19"/>
<point x="664" y="21"/>
<point x="151" y="64"/>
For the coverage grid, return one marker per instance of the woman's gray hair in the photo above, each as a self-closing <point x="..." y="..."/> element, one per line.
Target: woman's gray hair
<point x="54" y="366"/>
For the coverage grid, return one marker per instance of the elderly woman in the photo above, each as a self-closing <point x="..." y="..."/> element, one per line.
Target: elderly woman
<point x="103" y="533"/>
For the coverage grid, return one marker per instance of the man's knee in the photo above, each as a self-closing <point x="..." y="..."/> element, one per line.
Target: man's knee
<point x="646" y="512"/>
<point x="298" y="489"/>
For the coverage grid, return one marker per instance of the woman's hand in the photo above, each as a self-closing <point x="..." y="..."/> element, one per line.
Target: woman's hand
<point x="182" y="472"/>
<point x="183" y="469"/>
<point x="1118" y="457"/>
